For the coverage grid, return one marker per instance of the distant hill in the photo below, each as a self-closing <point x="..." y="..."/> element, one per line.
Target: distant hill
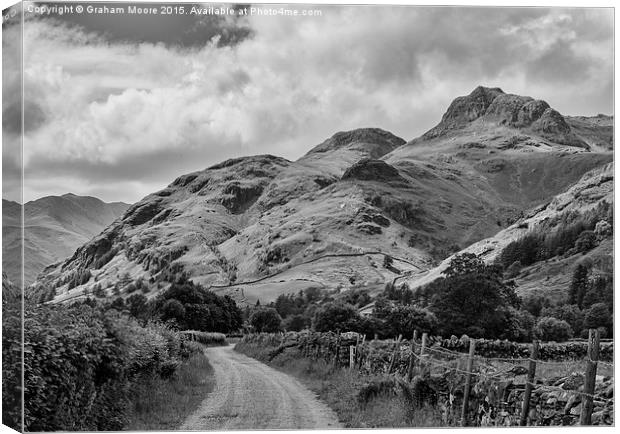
<point x="259" y="226"/>
<point x="54" y="227"/>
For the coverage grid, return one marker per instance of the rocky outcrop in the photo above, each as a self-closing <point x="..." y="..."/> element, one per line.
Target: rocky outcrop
<point x="383" y="141"/>
<point x="465" y="109"/>
<point x="372" y="170"/>
<point x="492" y="106"/>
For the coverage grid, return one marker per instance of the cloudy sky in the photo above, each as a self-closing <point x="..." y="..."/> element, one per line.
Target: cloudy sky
<point x="118" y="106"/>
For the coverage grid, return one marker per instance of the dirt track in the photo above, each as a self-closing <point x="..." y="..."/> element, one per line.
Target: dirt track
<point x="251" y="395"/>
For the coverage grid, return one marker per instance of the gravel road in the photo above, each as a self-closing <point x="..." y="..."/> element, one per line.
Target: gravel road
<point x="250" y="395"/>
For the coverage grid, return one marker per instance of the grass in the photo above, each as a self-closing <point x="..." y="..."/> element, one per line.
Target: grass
<point x="339" y="389"/>
<point x="160" y="404"/>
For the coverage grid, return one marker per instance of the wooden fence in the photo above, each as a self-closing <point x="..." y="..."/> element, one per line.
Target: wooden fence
<point x="473" y="376"/>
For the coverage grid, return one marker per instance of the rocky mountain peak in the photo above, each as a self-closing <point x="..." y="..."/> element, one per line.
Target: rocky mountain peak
<point x="492" y="107"/>
<point x="383" y="141"/>
<point x="465" y="109"/>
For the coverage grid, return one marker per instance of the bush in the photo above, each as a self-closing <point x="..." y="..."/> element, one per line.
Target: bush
<point x="569" y="313"/>
<point x="81" y="362"/>
<point x="266" y="320"/>
<point x="552" y="329"/>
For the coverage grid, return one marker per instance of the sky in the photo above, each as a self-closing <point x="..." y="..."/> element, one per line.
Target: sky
<point x="118" y="106"/>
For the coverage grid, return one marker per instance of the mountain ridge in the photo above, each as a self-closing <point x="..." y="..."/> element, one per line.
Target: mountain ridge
<point x="259" y="226"/>
<point x="54" y="227"/>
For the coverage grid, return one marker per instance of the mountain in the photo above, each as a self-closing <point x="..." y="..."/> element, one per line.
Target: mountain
<point x="594" y="189"/>
<point x="256" y="227"/>
<point x="54" y="227"/>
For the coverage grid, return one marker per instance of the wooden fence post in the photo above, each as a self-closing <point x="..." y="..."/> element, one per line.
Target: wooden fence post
<point x="531" y="375"/>
<point x="587" y="402"/>
<point x="470" y="367"/>
<point x="394" y="353"/>
<point x="337" y="355"/>
<point x="412" y="356"/>
<point x="423" y="350"/>
<point x="351" y="356"/>
<point x="359" y="352"/>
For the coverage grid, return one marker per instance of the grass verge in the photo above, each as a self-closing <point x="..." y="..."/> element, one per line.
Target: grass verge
<point x="160" y="404"/>
<point x="339" y="388"/>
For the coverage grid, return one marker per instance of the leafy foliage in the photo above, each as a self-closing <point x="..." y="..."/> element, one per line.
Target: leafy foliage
<point x="473" y="299"/>
<point x="336" y="316"/>
<point x="80" y="363"/>
<point x="266" y="320"/>
<point x="193" y="307"/>
<point x="397" y="319"/>
<point x="552" y="329"/>
<point x="568" y="234"/>
<point x="598" y="315"/>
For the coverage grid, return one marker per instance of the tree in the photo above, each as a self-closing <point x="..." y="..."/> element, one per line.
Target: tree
<point x="603" y="230"/>
<point x="355" y="297"/>
<point x="98" y="291"/>
<point x="403" y="320"/>
<point x="600" y="289"/>
<point x="137" y="304"/>
<point x="296" y="323"/>
<point x="335" y="316"/>
<point x="586" y="241"/>
<point x="519" y="325"/>
<point x="514" y="269"/>
<point x="118" y="304"/>
<point x="569" y="313"/>
<point x="467" y="263"/>
<point x="388" y="261"/>
<point x="535" y="304"/>
<point x="578" y="286"/>
<point x="196" y="308"/>
<point x="266" y="320"/>
<point x="472" y="299"/>
<point x="552" y="329"/>
<point x="597" y="316"/>
<point x="172" y="309"/>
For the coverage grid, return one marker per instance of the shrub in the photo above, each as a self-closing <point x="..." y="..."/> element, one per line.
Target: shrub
<point x="81" y="362"/>
<point x="552" y="329"/>
<point x="569" y="313"/>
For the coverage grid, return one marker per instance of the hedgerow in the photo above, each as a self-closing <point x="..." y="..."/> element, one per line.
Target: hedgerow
<point x="81" y="362"/>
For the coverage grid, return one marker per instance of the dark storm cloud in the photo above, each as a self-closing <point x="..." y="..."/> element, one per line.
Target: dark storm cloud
<point x="135" y="102"/>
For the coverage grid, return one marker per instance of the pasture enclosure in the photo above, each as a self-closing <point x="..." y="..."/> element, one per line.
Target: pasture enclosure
<point x="475" y="382"/>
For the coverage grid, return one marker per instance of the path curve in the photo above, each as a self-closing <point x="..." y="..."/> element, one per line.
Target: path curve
<point x="250" y="395"/>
